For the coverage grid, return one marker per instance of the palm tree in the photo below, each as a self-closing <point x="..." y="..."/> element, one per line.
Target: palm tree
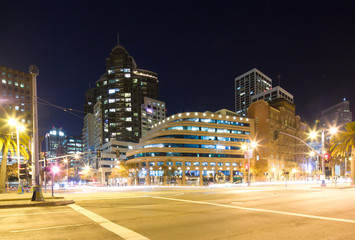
<point x="343" y="144"/>
<point x="7" y="144"/>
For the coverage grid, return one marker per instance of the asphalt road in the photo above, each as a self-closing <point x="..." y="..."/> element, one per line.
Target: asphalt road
<point x="298" y="212"/>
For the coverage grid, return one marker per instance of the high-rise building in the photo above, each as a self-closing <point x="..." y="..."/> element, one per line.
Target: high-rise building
<point x="153" y="111"/>
<point x="16" y="95"/>
<point x="73" y="145"/>
<point x="98" y="133"/>
<point x="54" y="143"/>
<point x="273" y="93"/>
<point x="121" y="91"/>
<point x="336" y="115"/>
<point x="248" y="85"/>
<point x="88" y="133"/>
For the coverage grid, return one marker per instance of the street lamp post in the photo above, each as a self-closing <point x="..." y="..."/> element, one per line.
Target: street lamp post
<point x="248" y="152"/>
<point x="332" y="130"/>
<point x="323" y="168"/>
<point x="37" y="190"/>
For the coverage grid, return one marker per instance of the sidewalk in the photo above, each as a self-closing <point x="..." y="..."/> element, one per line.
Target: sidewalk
<point x="14" y="200"/>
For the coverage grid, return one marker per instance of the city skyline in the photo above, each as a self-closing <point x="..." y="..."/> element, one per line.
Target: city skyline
<point x="197" y="55"/>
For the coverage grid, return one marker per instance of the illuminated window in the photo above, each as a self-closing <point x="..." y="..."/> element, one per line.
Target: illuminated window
<point x="127" y="75"/>
<point x="129" y="129"/>
<point x="111" y="91"/>
<point x="3" y="81"/>
<point x="16" y="83"/>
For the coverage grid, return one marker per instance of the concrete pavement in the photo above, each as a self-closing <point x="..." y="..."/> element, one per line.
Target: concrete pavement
<point x="14" y="200"/>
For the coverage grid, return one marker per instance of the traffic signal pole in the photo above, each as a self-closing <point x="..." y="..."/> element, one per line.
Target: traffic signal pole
<point x="19" y="189"/>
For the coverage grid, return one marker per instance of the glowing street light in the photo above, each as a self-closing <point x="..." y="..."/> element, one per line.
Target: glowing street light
<point x="55" y="169"/>
<point x="333" y="130"/>
<point x="248" y="153"/>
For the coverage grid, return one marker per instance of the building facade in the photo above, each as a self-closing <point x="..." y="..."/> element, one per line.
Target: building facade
<point x="109" y="155"/>
<point x="336" y="115"/>
<point x="248" y="85"/>
<point x="193" y="148"/>
<point x="54" y="143"/>
<point x="153" y="111"/>
<point x="16" y="96"/>
<point x="279" y="131"/>
<point x="273" y="93"/>
<point x="121" y="91"/>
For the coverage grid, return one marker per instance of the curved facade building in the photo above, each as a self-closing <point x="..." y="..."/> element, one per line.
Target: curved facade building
<point x="193" y="148"/>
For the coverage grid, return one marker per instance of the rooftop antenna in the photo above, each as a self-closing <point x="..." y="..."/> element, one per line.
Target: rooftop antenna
<point x="118" y="39"/>
<point x="279" y="77"/>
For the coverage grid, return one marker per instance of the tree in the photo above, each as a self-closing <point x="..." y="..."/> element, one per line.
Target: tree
<point x="12" y="172"/>
<point x="343" y="144"/>
<point x="9" y="145"/>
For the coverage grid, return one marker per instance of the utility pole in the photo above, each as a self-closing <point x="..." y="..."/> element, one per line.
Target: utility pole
<point x="37" y="190"/>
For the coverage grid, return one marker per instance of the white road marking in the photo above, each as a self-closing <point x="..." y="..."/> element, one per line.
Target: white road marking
<point x="263" y="210"/>
<point x="37" y="229"/>
<point x="113" y="227"/>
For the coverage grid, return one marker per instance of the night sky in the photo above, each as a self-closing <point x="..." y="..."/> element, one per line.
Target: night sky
<point x="196" y="47"/>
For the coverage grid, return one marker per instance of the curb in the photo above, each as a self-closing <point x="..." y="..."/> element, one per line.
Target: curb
<point x="40" y="204"/>
<point x="22" y="199"/>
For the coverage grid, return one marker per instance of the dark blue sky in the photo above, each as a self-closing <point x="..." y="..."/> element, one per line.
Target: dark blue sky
<point x="196" y="47"/>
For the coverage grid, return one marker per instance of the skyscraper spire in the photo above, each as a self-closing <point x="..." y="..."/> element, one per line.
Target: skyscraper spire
<point x="118" y="39"/>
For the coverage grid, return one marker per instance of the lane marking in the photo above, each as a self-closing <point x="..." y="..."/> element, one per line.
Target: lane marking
<point x="22" y="214"/>
<point x="113" y="227"/>
<point x="37" y="229"/>
<point x="262" y="210"/>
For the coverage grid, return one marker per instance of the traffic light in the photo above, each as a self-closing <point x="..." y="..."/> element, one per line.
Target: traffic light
<point x="326" y="157"/>
<point x="246" y="167"/>
<point x="98" y="153"/>
<point x="23" y="171"/>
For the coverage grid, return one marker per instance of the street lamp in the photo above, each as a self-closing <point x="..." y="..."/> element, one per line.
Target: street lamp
<point x="19" y="127"/>
<point x="333" y="130"/>
<point x="248" y="153"/>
